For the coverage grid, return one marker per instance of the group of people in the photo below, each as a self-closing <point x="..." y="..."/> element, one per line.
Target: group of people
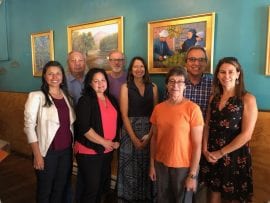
<point x="197" y="137"/>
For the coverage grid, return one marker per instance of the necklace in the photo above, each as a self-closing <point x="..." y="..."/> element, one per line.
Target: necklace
<point x="57" y="95"/>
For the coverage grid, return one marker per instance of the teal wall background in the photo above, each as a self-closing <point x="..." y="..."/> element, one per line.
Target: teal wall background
<point x="240" y="30"/>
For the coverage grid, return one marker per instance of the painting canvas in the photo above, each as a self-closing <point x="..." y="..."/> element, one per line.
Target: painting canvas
<point x="168" y="40"/>
<point x="96" y="40"/>
<point x="42" y="50"/>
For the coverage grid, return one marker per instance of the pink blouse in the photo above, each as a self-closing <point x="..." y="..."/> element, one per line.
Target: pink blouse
<point x="109" y="123"/>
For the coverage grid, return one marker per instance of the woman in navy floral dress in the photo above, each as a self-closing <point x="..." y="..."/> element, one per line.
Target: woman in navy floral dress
<point x="231" y="118"/>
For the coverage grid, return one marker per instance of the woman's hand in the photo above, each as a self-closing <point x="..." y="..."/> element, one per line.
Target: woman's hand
<point x="152" y="173"/>
<point x="212" y="157"/>
<point x="138" y="143"/>
<point x="38" y="162"/>
<point x="116" y="145"/>
<point x="108" y="144"/>
<point x="209" y="157"/>
<point x="145" y="140"/>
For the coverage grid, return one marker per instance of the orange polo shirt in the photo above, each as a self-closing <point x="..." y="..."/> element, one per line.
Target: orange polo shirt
<point x="173" y="140"/>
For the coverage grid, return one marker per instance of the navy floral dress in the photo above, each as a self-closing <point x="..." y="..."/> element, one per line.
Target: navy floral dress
<point x="232" y="174"/>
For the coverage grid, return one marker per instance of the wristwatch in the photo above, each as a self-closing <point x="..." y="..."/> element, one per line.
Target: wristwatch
<point x="192" y="176"/>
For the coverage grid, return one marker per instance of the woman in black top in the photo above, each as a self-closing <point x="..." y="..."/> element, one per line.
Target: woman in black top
<point x="137" y="99"/>
<point x="97" y="127"/>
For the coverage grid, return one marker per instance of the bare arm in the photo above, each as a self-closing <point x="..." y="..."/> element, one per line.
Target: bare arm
<point x="124" y="112"/>
<point x="94" y="137"/>
<point x="155" y="92"/>
<point x="249" y="119"/>
<point x="146" y="138"/>
<point x="209" y="157"/>
<point x="196" y="141"/>
<point x="152" y="171"/>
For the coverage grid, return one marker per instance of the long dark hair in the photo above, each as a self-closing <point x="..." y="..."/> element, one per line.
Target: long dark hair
<point x="88" y="90"/>
<point x="130" y="77"/>
<point x="240" y="89"/>
<point x="45" y="87"/>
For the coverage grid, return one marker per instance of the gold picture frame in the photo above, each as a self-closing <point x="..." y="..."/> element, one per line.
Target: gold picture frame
<point x="175" y="33"/>
<point x="96" y="40"/>
<point x="42" y="50"/>
<point x="267" y="63"/>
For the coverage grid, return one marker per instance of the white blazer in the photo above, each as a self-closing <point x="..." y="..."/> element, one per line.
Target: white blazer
<point x="41" y="123"/>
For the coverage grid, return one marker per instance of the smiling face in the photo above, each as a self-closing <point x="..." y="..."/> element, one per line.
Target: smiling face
<point x="53" y="76"/>
<point x="76" y="63"/>
<point x="138" y="69"/>
<point x="227" y="75"/>
<point x="99" y="83"/>
<point x="176" y="85"/>
<point x="196" y="62"/>
<point x="117" y="62"/>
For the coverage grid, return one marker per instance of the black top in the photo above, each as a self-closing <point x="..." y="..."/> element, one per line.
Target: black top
<point x="140" y="105"/>
<point x="88" y="116"/>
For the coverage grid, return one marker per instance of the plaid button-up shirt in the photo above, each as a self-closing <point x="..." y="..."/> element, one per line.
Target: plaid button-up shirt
<point x="200" y="92"/>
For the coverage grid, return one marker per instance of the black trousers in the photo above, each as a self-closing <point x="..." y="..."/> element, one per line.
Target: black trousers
<point x="52" y="181"/>
<point x="93" y="171"/>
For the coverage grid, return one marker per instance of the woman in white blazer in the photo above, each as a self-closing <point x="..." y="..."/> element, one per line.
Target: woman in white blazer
<point x="48" y="124"/>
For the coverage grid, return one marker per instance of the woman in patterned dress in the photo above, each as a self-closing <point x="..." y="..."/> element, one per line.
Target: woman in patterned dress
<point x="230" y="122"/>
<point x="137" y="99"/>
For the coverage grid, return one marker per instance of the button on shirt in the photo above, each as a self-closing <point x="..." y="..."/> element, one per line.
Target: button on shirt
<point x="200" y="92"/>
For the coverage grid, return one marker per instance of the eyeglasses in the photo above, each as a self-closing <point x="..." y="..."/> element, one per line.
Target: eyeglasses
<point x="173" y="82"/>
<point x="193" y="60"/>
<point x="116" y="60"/>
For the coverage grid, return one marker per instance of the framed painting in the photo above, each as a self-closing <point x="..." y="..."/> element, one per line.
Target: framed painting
<point x="169" y="39"/>
<point x="96" y="40"/>
<point x="42" y="50"/>
<point x="267" y="63"/>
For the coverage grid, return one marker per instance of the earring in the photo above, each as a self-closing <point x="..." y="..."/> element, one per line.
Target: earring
<point x="237" y="81"/>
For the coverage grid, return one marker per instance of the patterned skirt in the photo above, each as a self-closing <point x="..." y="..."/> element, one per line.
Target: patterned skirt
<point x="133" y="182"/>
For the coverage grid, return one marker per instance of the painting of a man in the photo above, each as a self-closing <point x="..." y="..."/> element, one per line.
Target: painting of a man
<point x="161" y="49"/>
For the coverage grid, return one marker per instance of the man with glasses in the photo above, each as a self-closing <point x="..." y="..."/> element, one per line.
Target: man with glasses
<point x="198" y="90"/>
<point x="117" y="76"/>
<point x="198" y="85"/>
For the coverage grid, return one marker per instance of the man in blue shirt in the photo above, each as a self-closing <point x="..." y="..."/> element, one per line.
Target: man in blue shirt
<point x="76" y="71"/>
<point x="75" y="77"/>
<point x="198" y="90"/>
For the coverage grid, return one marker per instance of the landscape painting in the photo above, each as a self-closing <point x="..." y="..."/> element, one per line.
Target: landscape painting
<point x="96" y="40"/>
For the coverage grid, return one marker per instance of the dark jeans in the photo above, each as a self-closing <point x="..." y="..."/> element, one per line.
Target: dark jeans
<point x="52" y="181"/>
<point x="170" y="184"/>
<point x="93" y="170"/>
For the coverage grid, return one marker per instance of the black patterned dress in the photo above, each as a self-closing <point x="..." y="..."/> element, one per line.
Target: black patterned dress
<point x="133" y="182"/>
<point x="232" y="174"/>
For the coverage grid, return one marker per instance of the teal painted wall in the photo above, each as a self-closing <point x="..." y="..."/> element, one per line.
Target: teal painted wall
<point x="241" y="30"/>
